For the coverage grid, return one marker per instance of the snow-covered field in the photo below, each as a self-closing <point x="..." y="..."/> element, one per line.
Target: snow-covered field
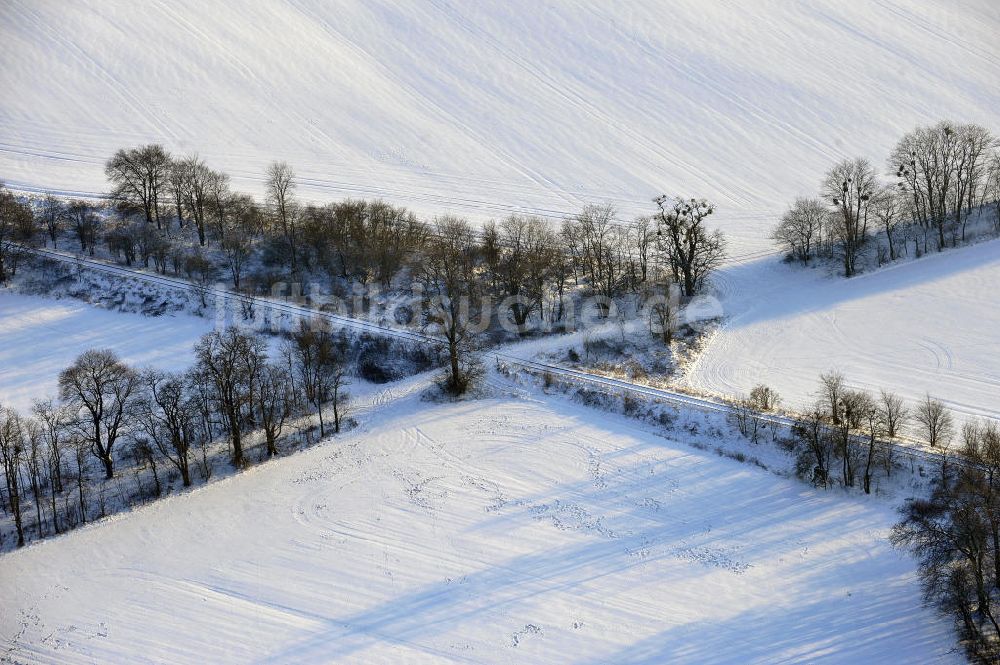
<point x="39" y="337"/>
<point x="504" y="530"/>
<point x="922" y="326"/>
<point x="483" y="108"/>
<point x="514" y="529"/>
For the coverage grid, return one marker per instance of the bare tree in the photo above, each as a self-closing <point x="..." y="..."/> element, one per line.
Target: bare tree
<point x="196" y="180"/>
<point x="936" y="420"/>
<point x="84" y="220"/>
<point x="449" y="274"/>
<point x="874" y="429"/>
<point x="748" y="411"/>
<point x="391" y="235"/>
<point x="319" y="366"/>
<point x="855" y="409"/>
<point x="524" y="258"/>
<point x="11" y="455"/>
<point x="273" y="404"/>
<point x="242" y="222"/>
<point x="892" y="415"/>
<point x="81" y="450"/>
<point x="664" y="311"/>
<point x="339" y="397"/>
<point x="176" y="186"/>
<point x="744" y="417"/>
<point x="55" y="420"/>
<point x="53" y="212"/>
<point x="851" y="186"/>
<point x="230" y="362"/>
<point x="281" y="196"/>
<point x="102" y="391"/>
<point x="644" y="240"/>
<point x="221" y="201"/>
<point x="973" y="141"/>
<point x="991" y="188"/>
<point x="764" y="398"/>
<point x="942" y="168"/>
<point x="955" y="536"/>
<point x="34" y="463"/>
<point x="167" y="415"/>
<point x="815" y="445"/>
<point x="888" y="209"/>
<point x="832" y="389"/>
<point x="202" y="273"/>
<point x="600" y="250"/>
<point x="692" y="251"/>
<point x="16" y="226"/>
<point x="800" y="231"/>
<point x="138" y="177"/>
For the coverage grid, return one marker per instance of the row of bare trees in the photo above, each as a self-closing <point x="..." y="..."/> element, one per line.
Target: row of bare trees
<point x="530" y="263"/>
<point x="157" y="197"/>
<point x="530" y="269"/>
<point x="363" y="241"/>
<point x="148" y="181"/>
<point x="937" y="177"/>
<point x="109" y="413"/>
<point x="851" y="433"/>
<point x="16" y="225"/>
<point x="955" y="536"/>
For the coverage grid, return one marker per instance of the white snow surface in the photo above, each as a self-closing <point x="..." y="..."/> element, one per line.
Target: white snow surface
<point x="484" y="108"/>
<point x="509" y="530"/>
<point x="504" y="530"/>
<point x="917" y="327"/>
<point x="40" y="337"/>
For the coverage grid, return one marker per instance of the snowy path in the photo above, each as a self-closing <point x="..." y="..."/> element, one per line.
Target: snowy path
<point x="521" y="355"/>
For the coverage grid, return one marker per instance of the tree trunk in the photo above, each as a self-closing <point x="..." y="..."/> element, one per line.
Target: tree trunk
<point x="868" y="466"/>
<point x="455" y="371"/>
<point x="83" y="503"/>
<point x="235" y="436"/>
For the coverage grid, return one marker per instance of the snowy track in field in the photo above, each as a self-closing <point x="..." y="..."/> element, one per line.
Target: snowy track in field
<point x="509" y="356"/>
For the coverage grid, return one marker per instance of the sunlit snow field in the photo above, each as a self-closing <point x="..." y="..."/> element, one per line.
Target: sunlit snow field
<point x="926" y="326"/>
<point x="496" y="531"/>
<point x="511" y="529"/>
<point x="487" y="109"/>
<point x="40" y="337"/>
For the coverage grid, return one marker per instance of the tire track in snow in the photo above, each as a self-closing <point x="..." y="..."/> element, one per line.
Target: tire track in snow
<point x="81" y="55"/>
<point x="435" y="108"/>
